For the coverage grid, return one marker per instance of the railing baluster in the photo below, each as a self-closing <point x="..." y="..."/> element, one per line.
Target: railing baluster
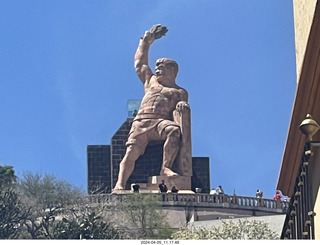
<point x="300" y="210"/>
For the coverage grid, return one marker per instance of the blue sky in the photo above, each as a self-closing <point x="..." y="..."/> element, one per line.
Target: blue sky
<point x="66" y="73"/>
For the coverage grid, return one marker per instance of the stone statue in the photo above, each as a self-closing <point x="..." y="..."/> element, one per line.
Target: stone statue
<point x="158" y="116"/>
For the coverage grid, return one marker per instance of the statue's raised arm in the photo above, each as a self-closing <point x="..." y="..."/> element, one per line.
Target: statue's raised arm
<point x="141" y="56"/>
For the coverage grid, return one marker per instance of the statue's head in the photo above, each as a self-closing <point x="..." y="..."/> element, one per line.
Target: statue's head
<point x="169" y="64"/>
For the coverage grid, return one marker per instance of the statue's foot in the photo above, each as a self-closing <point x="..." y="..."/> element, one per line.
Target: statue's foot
<point x="117" y="188"/>
<point x="169" y="173"/>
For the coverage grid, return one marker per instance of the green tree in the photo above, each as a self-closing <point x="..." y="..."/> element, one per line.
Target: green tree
<point x="61" y="211"/>
<point x="44" y="207"/>
<point x="7" y="176"/>
<point x="46" y="196"/>
<point x="145" y="218"/>
<point x="84" y="226"/>
<point x="241" y="230"/>
<point x="48" y="191"/>
<point x="13" y="214"/>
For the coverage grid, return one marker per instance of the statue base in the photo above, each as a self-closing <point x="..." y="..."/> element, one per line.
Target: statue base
<point x="182" y="183"/>
<point x="117" y="191"/>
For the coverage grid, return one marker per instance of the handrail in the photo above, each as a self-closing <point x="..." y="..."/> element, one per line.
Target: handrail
<point x="299" y="222"/>
<point x="204" y="199"/>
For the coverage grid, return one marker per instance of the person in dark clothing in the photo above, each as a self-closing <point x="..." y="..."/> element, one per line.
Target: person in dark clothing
<point x="163" y="189"/>
<point x="174" y="192"/>
<point x="174" y="189"/>
<point x="135" y="188"/>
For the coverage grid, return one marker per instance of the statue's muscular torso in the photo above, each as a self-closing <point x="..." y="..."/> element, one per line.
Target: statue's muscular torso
<point x="160" y="101"/>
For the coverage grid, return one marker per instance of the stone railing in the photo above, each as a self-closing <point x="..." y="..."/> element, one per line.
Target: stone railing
<point x="205" y="200"/>
<point x="227" y="201"/>
<point x="300" y="218"/>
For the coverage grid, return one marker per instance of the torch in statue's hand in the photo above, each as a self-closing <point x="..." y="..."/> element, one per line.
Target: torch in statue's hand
<point x="155" y="32"/>
<point x="158" y="30"/>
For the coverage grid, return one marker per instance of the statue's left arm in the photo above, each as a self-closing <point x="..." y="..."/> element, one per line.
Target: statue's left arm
<point x="183" y="105"/>
<point x="182" y="117"/>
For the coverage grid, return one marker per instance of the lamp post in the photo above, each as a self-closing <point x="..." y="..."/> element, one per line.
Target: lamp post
<point x="309" y="127"/>
<point x="299" y="222"/>
<point x="304" y="190"/>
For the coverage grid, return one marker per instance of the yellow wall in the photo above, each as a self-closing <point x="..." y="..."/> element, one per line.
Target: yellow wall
<point x="317" y="217"/>
<point x="303" y="12"/>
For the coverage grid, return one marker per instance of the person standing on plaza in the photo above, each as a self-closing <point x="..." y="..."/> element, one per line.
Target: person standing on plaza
<point x="163" y="189"/>
<point x="277" y="196"/>
<point x="174" y="192"/>
<point x="259" y="193"/>
<point x="219" y="190"/>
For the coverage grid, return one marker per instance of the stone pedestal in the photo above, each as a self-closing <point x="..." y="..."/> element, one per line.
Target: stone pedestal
<point x="180" y="182"/>
<point x="121" y="191"/>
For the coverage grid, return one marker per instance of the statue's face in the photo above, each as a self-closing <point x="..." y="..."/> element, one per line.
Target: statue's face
<point x="163" y="69"/>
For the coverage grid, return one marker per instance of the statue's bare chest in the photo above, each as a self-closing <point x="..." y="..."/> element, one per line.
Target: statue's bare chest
<point x="165" y="92"/>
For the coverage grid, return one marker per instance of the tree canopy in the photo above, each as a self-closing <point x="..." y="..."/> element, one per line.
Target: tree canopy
<point x="7" y="176"/>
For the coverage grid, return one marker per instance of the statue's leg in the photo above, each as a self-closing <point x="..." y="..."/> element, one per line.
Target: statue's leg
<point x="126" y="166"/>
<point x="170" y="149"/>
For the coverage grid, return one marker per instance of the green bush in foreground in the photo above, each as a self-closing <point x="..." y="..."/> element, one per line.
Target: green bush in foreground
<point x="241" y="230"/>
